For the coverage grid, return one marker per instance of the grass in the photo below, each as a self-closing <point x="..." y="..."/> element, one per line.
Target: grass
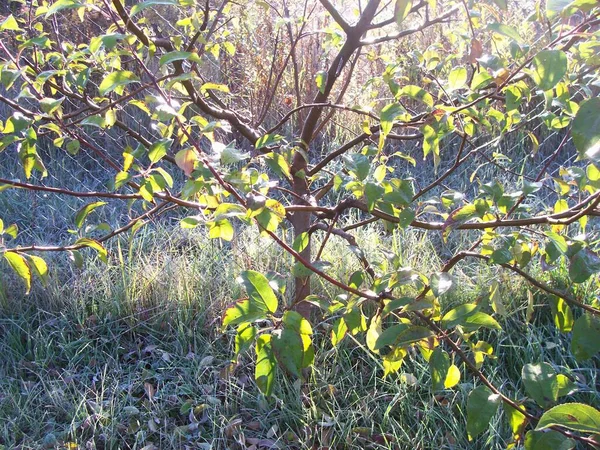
<point x="130" y="355"/>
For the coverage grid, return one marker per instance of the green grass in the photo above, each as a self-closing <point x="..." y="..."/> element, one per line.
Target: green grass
<point x="130" y="355"/>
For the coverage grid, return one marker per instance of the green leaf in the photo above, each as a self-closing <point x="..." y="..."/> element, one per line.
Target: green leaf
<point x="505" y="30"/>
<point x="94" y="121"/>
<point x="264" y="371"/>
<point x="549" y="67"/>
<point x="481" y="407"/>
<point x="232" y="155"/>
<point x="416" y="93"/>
<point x="441" y="283"/>
<point x="259" y="291"/>
<point x="373" y="193"/>
<point x="171" y="57"/>
<point x="73" y="147"/>
<point x="116" y="80"/>
<point x="402" y="9"/>
<point x="516" y="419"/>
<point x="20" y="266"/>
<point x="586" y="130"/>
<point x="297" y="322"/>
<point x="301" y="242"/>
<point x="11" y="230"/>
<point x="439" y="364"/>
<point x="91" y="243"/>
<point x="563" y="316"/>
<point x="242" y="311"/>
<point x="76" y="258"/>
<point x="573" y="416"/>
<point x="40" y="268"/>
<point x="470" y="318"/>
<point x="389" y="336"/>
<point x="278" y="164"/>
<point x="159" y="149"/>
<point x="585" y="342"/>
<point x="412" y="335"/>
<point x="457" y="79"/>
<point x="387" y="116"/>
<point x="545" y="440"/>
<point x="9" y="24"/>
<point x="49" y="105"/>
<point x="540" y="383"/>
<point x="268" y="140"/>
<point x="84" y="211"/>
<point x="458" y="315"/>
<point x="502" y="4"/>
<point x="583" y="265"/>
<point x="565" y="385"/>
<point x="559" y="241"/>
<point x="220" y="229"/>
<point x="190" y="222"/>
<point x="246" y="333"/>
<point x="460" y="216"/>
<point x="289" y="350"/>
<point x="358" y="164"/>
<point x="60" y="5"/>
<point x="338" y="332"/>
<point x="149" y="3"/>
<point x="321" y="81"/>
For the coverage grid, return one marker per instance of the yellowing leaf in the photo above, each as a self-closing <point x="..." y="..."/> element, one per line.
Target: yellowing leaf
<point x="84" y="211"/>
<point x="20" y="266"/>
<point x="186" y="159"/>
<point x="40" y="267"/>
<point x="258" y="289"/>
<point x="402" y="9"/>
<point x="453" y="377"/>
<point x="9" y="24"/>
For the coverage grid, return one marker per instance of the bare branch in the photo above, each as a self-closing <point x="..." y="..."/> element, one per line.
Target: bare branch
<point x="401" y="34"/>
<point x="392" y="19"/>
<point x="538" y="284"/>
<point x="34" y="187"/>
<point x="336" y="16"/>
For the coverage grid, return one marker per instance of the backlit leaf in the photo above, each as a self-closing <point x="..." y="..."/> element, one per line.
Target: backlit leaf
<point x="549" y="67"/>
<point x="402" y="9"/>
<point x="115" y="80"/>
<point x="264" y="371"/>
<point x="20" y="266"/>
<point x="84" y="211"/>
<point x="39" y="267"/>
<point x="457" y="78"/>
<point x="242" y="311"/>
<point x="171" y="57"/>
<point x="258" y="289"/>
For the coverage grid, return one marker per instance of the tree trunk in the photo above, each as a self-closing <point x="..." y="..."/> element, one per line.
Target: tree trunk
<point x="301" y="224"/>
